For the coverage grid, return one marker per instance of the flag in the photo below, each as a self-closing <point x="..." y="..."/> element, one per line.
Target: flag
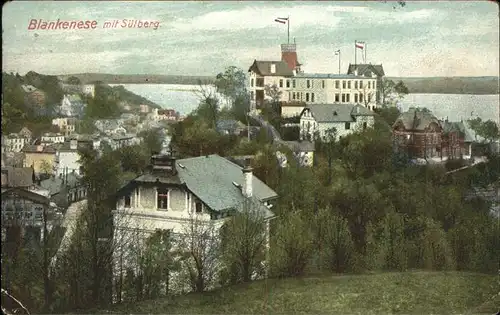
<point x="360" y="45"/>
<point x="337" y="52"/>
<point x="281" y="20"/>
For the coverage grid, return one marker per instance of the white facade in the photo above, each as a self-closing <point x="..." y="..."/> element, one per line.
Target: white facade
<point x="66" y="125"/>
<point x="53" y="138"/>
<point x="309" y="126"/>
<point x="15" y="143"/>
<point x="68" y="162"/>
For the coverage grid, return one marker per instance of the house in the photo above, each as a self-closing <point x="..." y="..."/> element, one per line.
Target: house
<point x="72" y="106"/>
<point x="28" y="88"/>
<point x="67" y="158"/>
<point x="51" y="137"/>
<point x="26" y="133"/>
<point x="35" y="98"/>
<point x="41" y="158"/>
<point x="173" y="193"/>
<point x="457" y="140"/>
<point x="323" y="119"/>
<point x="295" y="86"/>
<point x="418" y="133"/>
<point x="370" y="71"/>
<point x="227" y="127"/>
<point x="143" y="108"/>
<point x="65" y="189"/>
<point x="166" y="114"/>
<point x="88" y="89"/>
<point x="17" y="177"/>
<point x="15" y="142"/>
<point x="85" y="140"/>
<point x="303" y="151"/>
<point x="123" y="140"/>
<point x="67" y="125"/>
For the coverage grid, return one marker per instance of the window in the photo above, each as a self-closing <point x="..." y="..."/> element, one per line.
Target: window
<point x="369" y="98"/>
<point x="252" y="95"/>
<point x="355" y="84"/>
<point x="307" y="97"/>
<point x="355" y="98"/>
<point x="360" y="84"/>
<point x="373" y="85"/>
<point x="337" y="84"/>
<point x="323" y="84"/>
<point x="348" y="98"/>
<point x="287" y="83"/>
<point x="361" y="97"/>
<point x="162" y="201"/>
<point x="308" y="84"/>
<point x="337" y="97"/>
<point x="312" y="97"/>
<point x="343" y="98"/>
<point x="251" y="83"/>
<point x="343" y="85"/>
<point x="281" y="83"/>
<point x="347" y="126"/>
<point x="293" y="83"/>
<point x="293" y="95"/>
<point x="348" y="84"/>
<point x="364" y="125"/>
<point x="127" y="201"/>
<point x="198" y="207"/>
<point x="369" y="84"/>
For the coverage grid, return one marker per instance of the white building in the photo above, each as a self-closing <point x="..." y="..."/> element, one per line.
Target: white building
<point x="71" y="106"/>
<point x="297" y="87"/>
<point x="176" y="192"/>
<point x="343" y="118"/>
<point x="67" y="125"/>
<point x="50" y="138"/>
<point x="88" y="89"/>
<point x="15" y="142"/>
<point x="67" y="159"/>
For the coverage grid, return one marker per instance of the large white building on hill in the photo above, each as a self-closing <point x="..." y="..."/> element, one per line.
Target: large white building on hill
<point x="311" y="88"/>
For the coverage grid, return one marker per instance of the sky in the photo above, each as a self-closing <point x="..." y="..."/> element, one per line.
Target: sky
<point x="422" y="39"/>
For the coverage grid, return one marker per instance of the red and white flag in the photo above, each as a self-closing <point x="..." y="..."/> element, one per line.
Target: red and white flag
<point x="281" y="20"/>
<point x="360" y="45"/>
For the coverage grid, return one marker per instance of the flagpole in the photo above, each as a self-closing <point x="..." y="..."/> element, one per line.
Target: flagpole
<point x="339" y="61"/>
<point x="288" y="23"/>
<point x="365" y="51"/>
<point x="355" y="53"/>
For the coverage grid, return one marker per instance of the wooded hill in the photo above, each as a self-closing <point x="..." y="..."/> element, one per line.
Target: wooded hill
<point x="138" y="78"/>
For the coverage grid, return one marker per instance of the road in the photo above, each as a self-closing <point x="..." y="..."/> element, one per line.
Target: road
<point x="271" y="131"/>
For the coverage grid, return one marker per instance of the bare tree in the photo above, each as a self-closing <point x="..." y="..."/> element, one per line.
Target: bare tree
<point x="209" y="103"/>
<point x="366" y="96"/>
<point x="245" y="241"/>
<point x="199" y="247"/>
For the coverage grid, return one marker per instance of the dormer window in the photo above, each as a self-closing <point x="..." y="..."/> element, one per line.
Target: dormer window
<point x="335" y="113"/>
<point x="162" y="200"/>
<point x="127" y="201"/>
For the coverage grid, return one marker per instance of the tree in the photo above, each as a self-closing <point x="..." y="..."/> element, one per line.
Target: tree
<point x="231" y="83"/>
<point x="73" y="80"/>
<point x="152" y="140"/>
<point x="208" y="109"/>
<point x="292" y="247"/>
<point x="273" y="92"/>
<point x="244" y="242"/>
<point x="388" y="114"/>
<point x="199" y="249"/>
<point x="392" y="92"/>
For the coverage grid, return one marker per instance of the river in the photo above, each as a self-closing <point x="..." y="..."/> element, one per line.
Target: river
<point x="185" y="98"/>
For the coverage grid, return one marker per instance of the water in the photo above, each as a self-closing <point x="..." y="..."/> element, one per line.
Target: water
<point x="185" y="98"/>
<point x="182" y="98"/>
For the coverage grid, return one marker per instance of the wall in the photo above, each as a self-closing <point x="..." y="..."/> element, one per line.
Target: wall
<point x="69" y="160"/>
<point x="15" y="144"/>
<point x="339" y="126"/>
<point x="37" y="159"/>
<point x="290" y="111"/>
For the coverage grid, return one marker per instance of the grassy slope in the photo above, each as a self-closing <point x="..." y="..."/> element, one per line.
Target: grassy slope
<point x="384" y="293"/>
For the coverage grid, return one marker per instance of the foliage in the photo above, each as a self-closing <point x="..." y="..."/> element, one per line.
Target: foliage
<point x="104" y="104"/>
<point x="388" y="114"/>
<point x="392" y="92"/>
<point x="73" y="80"/>
<point x="292" y="246"/>
<point x="488" y="130"/>
<point x="232" y="85"/>
<point x="152" y="141"/>
<point x="244" y="242"/>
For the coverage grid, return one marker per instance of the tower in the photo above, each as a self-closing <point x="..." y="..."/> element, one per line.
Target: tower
<point x="289" y="55"/>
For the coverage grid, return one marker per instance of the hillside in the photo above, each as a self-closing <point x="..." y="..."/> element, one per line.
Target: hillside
<point x="138" y="78"/>
<point x="386" y="293"/>
<point x="452" y="85"/>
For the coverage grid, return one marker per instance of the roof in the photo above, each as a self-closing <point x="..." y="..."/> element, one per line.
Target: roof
<point x="38" y="149"/>
<point x="74" y="98"/>
<point x="123" y="137"/>
<point x="28" y="88"/>
<point x="229" y="124"/>
<point x="30" y="195"/>
<point x="211" y="178"/>
<point x="416" y="119"/>
<point x="264" y="68"/>
<point x="17" y="176"/>
<point x="365" y="69"/>
<point x="300" y="146"/>
<point x="329" y="76"/>
<point x="459" y="126"/>
<point x="55" y="184"/>
<point x="337" y="112"/>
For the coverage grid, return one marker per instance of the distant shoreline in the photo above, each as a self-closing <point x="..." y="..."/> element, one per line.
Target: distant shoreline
<point x="487" y="85"/>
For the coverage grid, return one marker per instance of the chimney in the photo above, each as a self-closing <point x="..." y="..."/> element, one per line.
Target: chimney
<point x="247" y="180"/>
<point x="289" y="55"/>
<point x="73" y="144"/>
